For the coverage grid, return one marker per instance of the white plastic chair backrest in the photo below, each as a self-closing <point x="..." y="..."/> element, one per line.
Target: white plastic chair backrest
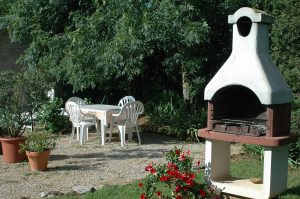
<point x="77" y="100"/>
<point x="125" y="100"/>
<point x="74" y="112"/>
<point x="131" y="112"/>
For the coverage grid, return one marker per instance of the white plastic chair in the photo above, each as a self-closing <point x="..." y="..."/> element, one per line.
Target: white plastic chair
<point x="125" y="100"/>
<point x="77" y="100"/>
<point x="78" y="121"/>
<point x="127" y="120"/>
<point x="80" y="102"/>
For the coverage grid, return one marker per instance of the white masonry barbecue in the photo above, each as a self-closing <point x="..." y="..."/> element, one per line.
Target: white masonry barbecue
<point x="248" y="102"/>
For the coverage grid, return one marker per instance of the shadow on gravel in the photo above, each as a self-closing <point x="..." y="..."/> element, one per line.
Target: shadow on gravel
<point x="66" y="168"/>
<point x="58" y="157"/>
<point x="148" y="138"/>
<point x="123" y="154"/>
<point x="73" y="167"/>
<point x="153" y="138"/>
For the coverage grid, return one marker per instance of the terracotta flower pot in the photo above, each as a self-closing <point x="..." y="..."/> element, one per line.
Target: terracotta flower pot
<point x="38" y="161"/>
<point x="10" y="149"/>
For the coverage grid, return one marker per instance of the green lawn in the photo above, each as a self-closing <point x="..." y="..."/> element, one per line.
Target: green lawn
<point x="248" y="167"/>
<point x="242" y="166"/>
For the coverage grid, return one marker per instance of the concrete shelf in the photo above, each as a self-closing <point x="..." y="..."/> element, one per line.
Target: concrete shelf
<point x="260" y="140"/>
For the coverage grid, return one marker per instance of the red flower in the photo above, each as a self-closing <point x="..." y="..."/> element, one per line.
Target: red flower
<point x="177" y="151"/>
<point x="202" y="193"/>
<point x="173" y="173"/>
<point x="158" y="193"/>
<point x="150" y="168"/>
<point x="178" y="197"/>
<point x="192" y="176"/>
<point x="182" y="157"/>
<point x="188" y="152"/>
<point x="140" y="184"/>
<point x="164" y="178"/>
<point x="143" y="196"/>
<point x="190" y="182"/>
<point x="183" y="177"/>
<point x="178" y="188"/>
<point x="198" y="163"/>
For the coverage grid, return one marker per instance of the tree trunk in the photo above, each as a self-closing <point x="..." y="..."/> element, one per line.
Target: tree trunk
<point x="185" y="89"/>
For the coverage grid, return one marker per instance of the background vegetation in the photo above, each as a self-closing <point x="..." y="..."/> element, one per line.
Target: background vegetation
<point x="162" y="52"/>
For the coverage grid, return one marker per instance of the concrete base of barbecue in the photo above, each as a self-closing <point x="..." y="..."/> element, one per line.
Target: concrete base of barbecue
<point x="217" y="161"/>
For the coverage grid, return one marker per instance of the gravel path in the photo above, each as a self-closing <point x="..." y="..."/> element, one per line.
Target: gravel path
<point x="90" y="165"/>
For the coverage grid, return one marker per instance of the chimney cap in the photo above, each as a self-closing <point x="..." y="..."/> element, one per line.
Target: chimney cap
<point x="254" y="14"/>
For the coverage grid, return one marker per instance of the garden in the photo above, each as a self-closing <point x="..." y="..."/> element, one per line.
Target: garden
<point x="163" y="53"/>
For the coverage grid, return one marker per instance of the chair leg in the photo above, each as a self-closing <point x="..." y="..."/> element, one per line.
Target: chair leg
<point x="130" y="131"/>
<point x="72" y="134"/>
<point x="97" y="127"/>
<point x="122" y="134"/>
<point x="138" y="134"/>
<point x="87" y="134"/>
<point x="81" y="134"/>
<point x="78" y="132"/>
<point x="110" y="132"/>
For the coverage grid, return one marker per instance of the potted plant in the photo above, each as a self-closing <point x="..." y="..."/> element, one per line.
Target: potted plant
<point x="14" y="115"/>
<point x="21" y="93"/>
<point x="37" y="147"/>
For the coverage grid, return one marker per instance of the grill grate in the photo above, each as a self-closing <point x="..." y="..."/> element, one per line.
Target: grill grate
<point x="245" y="126"/>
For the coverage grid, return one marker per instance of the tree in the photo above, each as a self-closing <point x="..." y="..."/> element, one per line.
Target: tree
<point x="90" y="43"/>
<point x="286" y="49"/>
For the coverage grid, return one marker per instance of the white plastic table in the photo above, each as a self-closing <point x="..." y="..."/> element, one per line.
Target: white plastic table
<point x="103" y="113"/>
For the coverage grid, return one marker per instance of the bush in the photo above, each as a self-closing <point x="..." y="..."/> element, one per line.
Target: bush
<point x="50" y="118"/>
<point x="14" y="109"/>
<point x="38" y="141"/>
<point x="174" y="120"/>
<point x="179" y="176"/>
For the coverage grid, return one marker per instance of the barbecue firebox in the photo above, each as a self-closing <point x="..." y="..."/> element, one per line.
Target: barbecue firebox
<point x="237" y="110"/>
<point x="248" y="102"/>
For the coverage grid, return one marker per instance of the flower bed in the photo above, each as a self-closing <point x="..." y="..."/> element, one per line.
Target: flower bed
<point x="178" y="178"/>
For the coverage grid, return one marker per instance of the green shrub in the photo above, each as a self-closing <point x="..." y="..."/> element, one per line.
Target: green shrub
<point x="50" y="118"/>
<point x="173" y="120"/>
<point x="293" y="158"/>
<point x="38" y="141"/>
<point x="14" y="109"/>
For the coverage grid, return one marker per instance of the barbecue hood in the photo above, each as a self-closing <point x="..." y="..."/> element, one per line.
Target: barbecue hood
<point x="250" y="64"/>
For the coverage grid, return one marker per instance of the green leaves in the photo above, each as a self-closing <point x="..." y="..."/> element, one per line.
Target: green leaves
<point x="50" y="118"/>
<point x="38" y="141"/>
<point x="14" y="109"/>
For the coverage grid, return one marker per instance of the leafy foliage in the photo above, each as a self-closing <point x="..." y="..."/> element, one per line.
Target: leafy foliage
<point x="286" y="49"/>
<point x="50" y="117"/>
<point x="171" y="118"/>
<point x="293" y="158"/>
<point x="14" y="109"/>
<point x="286" y="54"/>
<point x="38" y="141"/>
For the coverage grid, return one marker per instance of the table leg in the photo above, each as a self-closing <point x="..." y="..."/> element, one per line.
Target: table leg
<point x="103" y="136"/>
<point x="98" y="124"/>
